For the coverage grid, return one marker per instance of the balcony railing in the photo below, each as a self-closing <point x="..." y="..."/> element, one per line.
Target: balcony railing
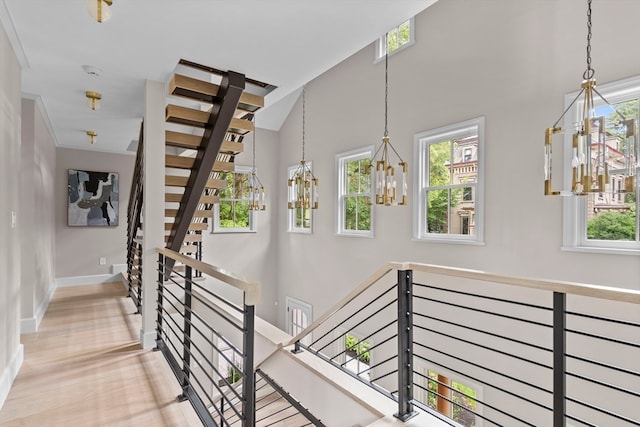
<point x="474" y="348"/>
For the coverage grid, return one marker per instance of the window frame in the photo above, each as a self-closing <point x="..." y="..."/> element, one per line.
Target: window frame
<point x="421" y="142"/>
<point x="575" y="207"/>
<point x="342" y="159"/>
<point x="291" y="214"/>
<point x="252" y="228"/>
<point x="381" y="42"/>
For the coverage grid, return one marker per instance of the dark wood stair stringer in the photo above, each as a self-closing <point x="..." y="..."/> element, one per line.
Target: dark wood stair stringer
<point x="222" y="114"/>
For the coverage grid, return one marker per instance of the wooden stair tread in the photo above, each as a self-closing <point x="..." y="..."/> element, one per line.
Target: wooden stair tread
<point x="198" y="118"/>
<point x="177" y="198"/>
<point x="181" y="181"/>
<point x="188" y="249"/>
<point x="184" y="162"/>
<point x="191" y="237"/>
<point x="191" y="141"/>
<point x="203" y="91"/>
<point x="194" y="226"/>
<point x="198" y="214"/>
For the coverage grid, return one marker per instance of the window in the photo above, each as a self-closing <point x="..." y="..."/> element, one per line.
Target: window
<point x="396" y="39"/>
<point x="299" y="220"/>
<point x="606" y="221"/>
<point x="357" y="356"/>
<point x="355" y="212"/>
<point x="452" y="398"/>
<point x="449" y="183"/>
<point x="231" y="214"/>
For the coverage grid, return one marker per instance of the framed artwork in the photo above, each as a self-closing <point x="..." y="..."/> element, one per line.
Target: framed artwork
<point x="93" y="198"/>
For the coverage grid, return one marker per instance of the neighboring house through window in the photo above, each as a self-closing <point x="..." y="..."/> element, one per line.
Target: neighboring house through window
<point x="449" y="183"/>
<point x="606" y="221"/>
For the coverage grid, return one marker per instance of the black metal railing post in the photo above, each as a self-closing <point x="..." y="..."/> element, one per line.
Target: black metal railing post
<point x="559" y="359"/>
<point x="405" y="345"/>
<point x="160" y="300"/>
<point x="249" y="385"/>
<point x="139" y="280"/>
<point x="186" y="350"/>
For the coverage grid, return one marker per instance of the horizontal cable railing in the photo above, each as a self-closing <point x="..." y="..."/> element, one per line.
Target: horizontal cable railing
<point x="134" y="273"/>
<point x="464" y="347"/>
<point x="208" y="338"/>
<point x="134" y="215"/>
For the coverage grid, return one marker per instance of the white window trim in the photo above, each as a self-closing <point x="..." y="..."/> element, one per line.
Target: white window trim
<point x="291" y="214"/>
<point x="420" y="166"/>
<point x="574" y="230"/>
<point x="380" y="47"/>
<point x="341" y="160"/>
<point x="424" y="368"/>
<point x="216" y="229"/>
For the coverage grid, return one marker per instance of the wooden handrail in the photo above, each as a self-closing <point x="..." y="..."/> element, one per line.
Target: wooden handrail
<point x="571" y="288"/>
<point x="252" y="289"/>
<point x="594" y="291"/>
<point x="366" y="284"/>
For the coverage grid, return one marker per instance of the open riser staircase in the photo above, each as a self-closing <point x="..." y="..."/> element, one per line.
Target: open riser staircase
<point x="206" y="123"/>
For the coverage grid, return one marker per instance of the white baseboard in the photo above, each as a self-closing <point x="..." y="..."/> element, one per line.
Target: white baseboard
<point x="10" y="373"/>
<point x="118" y="268"/>
<point x="30" y="325"/>
<point x="87" y="280"/>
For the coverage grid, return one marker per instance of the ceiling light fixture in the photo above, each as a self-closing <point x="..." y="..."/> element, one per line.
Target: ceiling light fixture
<point x="100" y="10"/>
<point x="385" y="172"/>
<point x="94" y="99"/>
<point x="303" y="186"/>
<point x="595" y="153"/>
<point x="92" y="136"/>
<point x="256" y="189"/>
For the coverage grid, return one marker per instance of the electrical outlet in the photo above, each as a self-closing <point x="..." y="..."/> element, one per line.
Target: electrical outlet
<point x="103" y="261"/>
<point x="14" y="217"/>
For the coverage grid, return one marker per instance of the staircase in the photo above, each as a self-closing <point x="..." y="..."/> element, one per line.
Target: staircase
<point x="206" y="124"/>
<point x="208" y="114"/>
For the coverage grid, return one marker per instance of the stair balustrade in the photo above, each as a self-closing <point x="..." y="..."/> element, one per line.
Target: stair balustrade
<point x="474" y="348"/>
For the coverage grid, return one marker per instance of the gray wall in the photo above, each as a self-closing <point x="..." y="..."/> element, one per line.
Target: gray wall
<point x="254" y="255"/>
<point x="37" y="205"/>
<point x="79" y="249"/>
<point x="10" y="110"/>
<point x="509" y="61"/>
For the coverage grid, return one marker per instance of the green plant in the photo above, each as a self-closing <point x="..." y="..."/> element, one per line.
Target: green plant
<point x="234" y="375"/>
<point x="357" y="348"/>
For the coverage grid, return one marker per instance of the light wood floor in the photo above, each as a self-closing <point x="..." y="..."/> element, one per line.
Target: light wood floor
<point x="85" y="367"/>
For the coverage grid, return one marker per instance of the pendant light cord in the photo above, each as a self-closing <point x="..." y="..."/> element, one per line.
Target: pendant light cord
<point x="254" y="144"/>
<point x="304" y="89"/>
<point x="589" y="72"/>
<point x="386" y="91"/>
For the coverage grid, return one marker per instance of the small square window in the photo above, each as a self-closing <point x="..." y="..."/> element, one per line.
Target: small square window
<point x="396" y="39"/>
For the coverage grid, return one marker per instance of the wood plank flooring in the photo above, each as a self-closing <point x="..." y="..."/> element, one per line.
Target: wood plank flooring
<point x="85" y="367"/>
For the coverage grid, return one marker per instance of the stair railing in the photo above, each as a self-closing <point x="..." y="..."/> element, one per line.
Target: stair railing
<point x="134" y="219"/>
<point x="467" y="345"/>
<point x="205" y="330"/>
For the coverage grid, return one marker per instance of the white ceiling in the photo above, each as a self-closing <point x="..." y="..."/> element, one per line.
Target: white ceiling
<point x="282" y="42"/>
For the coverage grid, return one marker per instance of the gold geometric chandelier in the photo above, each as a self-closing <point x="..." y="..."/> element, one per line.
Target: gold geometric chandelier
<point x="386" y="185"/>
<point x="100" y="10"/>
<point x="303" y="186"/>
<point x="256" y="189"/>
<point x="593" y="153"/>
